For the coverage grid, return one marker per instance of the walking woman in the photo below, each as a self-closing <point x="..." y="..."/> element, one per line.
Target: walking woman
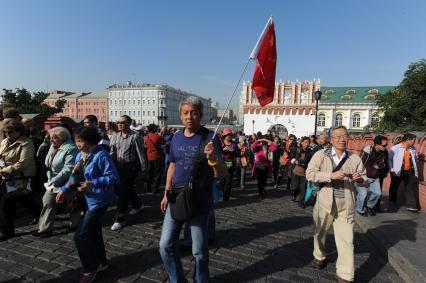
<point x="262" y="166"/>
<point x="59" y="162"/>
<point x="94" y="175"/>
<point x="300" y="158"/>
<point x="17" y="166"/>
<point x="230" y="152"/>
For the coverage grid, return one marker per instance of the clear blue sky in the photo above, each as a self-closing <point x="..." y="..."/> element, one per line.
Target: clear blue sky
<point x="201" y="46"/>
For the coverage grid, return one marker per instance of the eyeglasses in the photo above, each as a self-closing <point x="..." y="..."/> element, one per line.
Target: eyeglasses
<point x="342" y="137"/>
<point x="121" y="123"/>
<point x="384" y="145"/>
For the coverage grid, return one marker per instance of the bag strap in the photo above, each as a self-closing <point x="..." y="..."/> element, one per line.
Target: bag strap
<point x="340" y="165"/>
<point x="203" y="139"/>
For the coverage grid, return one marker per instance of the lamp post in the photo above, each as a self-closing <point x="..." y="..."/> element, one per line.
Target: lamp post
<point x="318" y="94"/>
<point x="253" y="126"/>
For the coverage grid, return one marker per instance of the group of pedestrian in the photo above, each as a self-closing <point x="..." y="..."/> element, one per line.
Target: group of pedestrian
<point x="86" y="169"/>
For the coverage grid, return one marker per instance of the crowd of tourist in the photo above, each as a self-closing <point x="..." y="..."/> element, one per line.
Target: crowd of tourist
<point x="82" y="171"/>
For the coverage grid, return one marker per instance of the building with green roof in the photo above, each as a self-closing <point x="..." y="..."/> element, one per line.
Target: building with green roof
<point x="353" y="107"/>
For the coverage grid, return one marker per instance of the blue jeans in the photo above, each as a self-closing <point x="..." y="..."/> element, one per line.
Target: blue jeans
<point x="211" y="229"/>
<point x="89" y="241"/>
<point x="169" y="253"/>
<point x="373" y="198"/>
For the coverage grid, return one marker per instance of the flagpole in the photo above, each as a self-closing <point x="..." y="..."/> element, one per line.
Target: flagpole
<point x="232" y="96"/>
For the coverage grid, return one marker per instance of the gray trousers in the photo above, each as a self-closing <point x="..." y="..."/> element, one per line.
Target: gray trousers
<point x="47" y="216"/>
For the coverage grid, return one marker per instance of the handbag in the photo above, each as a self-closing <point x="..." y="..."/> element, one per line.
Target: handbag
<point x="75" y="199"/>
<point x="9" y="189"/>
<point x="181" y="198"/>
<point x="299" y="170"/>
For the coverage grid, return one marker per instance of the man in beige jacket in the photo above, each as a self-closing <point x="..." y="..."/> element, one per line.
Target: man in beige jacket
<point x="335" y="203"/>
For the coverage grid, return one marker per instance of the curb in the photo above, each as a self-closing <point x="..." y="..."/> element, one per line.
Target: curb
<point x="403" y="267"/>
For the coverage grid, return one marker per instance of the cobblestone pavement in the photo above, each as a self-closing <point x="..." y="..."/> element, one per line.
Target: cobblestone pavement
<point x="257" y="241"/>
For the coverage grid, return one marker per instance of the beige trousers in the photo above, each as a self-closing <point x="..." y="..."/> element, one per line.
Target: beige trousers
<point x="343" y="235"/>
<point x="48" y="213"/>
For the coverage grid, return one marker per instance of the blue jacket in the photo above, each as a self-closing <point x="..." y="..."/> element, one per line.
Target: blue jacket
<point x="102" y="173"/>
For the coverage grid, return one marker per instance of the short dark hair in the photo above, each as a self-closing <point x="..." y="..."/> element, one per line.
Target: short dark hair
<point x="91" y="118"/>
<point x="305" y="138"/>
<point x="379" y="139"/>
<point x="89" y="134"/>
<point x="128" y="119"/>
<point x="152" y="128"/>
<point x="408" y="136"/>
<point x="11" y="112"/>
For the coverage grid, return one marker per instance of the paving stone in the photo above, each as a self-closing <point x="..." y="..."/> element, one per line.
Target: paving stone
<point x="256" y="241"/>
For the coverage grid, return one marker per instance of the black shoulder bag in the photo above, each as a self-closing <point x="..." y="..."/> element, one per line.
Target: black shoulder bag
<point x="181" y="199"/>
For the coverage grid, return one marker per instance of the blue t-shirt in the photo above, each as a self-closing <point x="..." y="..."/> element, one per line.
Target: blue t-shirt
<point x="183" y="152"/>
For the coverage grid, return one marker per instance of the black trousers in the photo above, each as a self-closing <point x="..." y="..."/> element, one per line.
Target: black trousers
<point x="226" y="184"/>
<point x="298" y="187"/>
<point x="8" y="209"/>
<point x="411" y="184"/>
<point x="155" y="172"/>
<point x="262" y="178"/>
<point x="126" y="191"/>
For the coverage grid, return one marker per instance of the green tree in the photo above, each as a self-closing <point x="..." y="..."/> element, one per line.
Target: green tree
<point x="404" y="108"/>
<point x="27" y="103"/>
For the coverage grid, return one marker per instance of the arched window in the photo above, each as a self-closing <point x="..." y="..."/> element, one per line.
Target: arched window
<point x="338" y="120"/>
<point x="374" y="118"/>
<point x="321" y="120"/>
<point x="356" y="120"/>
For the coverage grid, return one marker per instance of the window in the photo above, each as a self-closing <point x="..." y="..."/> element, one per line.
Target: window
<point x="143" y="113"/>
<point x="321" y="120"/>
<point x="338" y="120"/>
<point x="139" y="113"/>
<point x="143" y="102"/>
<point x="149" y="113"/>
<point x="375" y="118"/>
<point x="153" y="113"/>
<point x="356" y="121"/>
<point x="139" y="102"/>
<point x="148" y="102"/>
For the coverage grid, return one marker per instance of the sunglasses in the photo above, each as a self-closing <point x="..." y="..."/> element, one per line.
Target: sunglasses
<point x="121" y="123"/>
<point x="384" y="145"/>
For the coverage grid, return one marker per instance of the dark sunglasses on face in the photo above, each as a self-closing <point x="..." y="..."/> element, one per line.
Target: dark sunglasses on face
<point x="121" y="123"/>
<point x="384" y="145"/>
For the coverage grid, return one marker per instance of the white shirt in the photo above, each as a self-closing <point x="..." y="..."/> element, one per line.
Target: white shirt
<point x="336" y="159"/>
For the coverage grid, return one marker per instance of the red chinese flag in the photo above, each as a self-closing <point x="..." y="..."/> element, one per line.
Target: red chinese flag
<point x="265" y="52"/>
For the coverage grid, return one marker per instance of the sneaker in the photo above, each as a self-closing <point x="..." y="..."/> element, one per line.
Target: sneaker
<point x="88" y="277"/>
<point x="134" y="211"/>
<point x="411" y="209"/>
<point x="117" y="226"/>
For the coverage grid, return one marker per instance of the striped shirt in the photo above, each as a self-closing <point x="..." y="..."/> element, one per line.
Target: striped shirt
<point x="128" y="150"/>
<point x="338" y="185"/>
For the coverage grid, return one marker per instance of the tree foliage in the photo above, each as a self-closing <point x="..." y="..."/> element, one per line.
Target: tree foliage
<point x="27" y="103"/>
<point x="404" y="108"/>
